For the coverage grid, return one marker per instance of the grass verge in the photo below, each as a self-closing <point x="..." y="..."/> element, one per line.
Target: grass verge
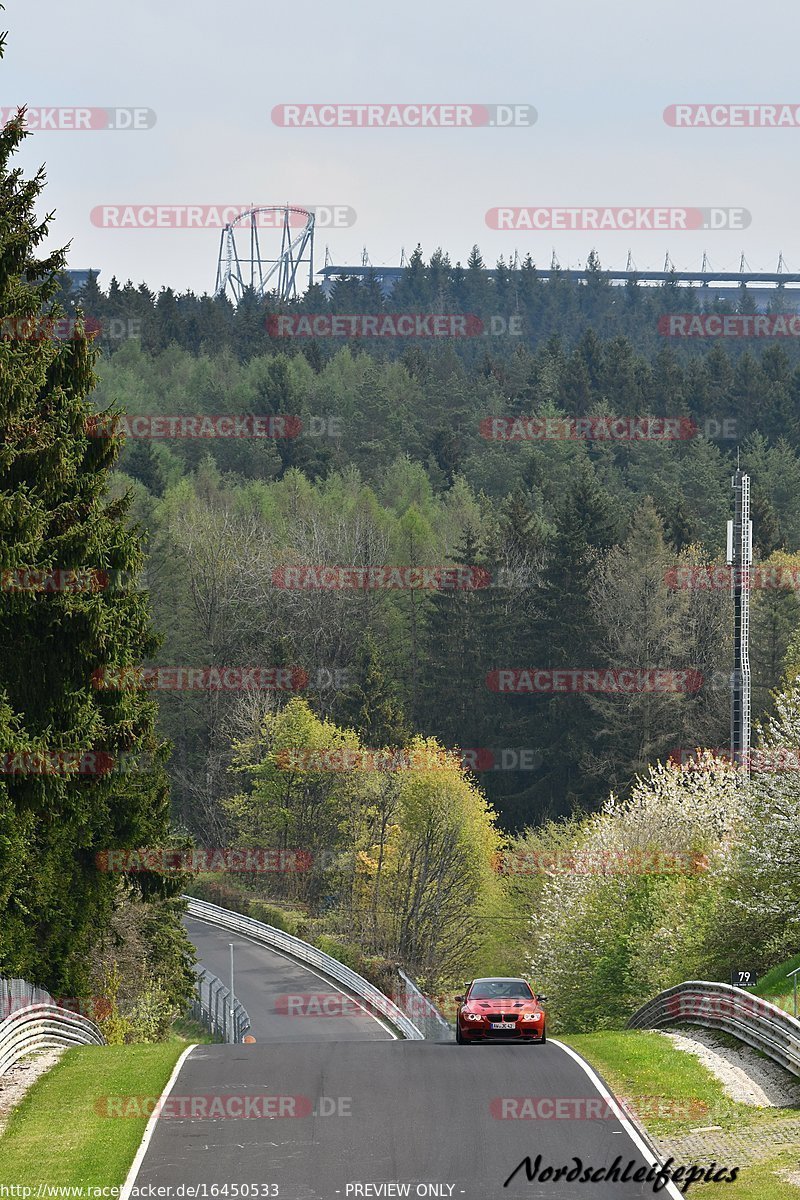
<point x="186" y="1031"/>
<point x="672" y="1094"/>
<point x="777" y="987"/>
<point x="58" y="1135"/>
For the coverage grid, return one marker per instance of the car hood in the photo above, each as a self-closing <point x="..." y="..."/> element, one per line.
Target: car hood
<point x="502" y="1005"/>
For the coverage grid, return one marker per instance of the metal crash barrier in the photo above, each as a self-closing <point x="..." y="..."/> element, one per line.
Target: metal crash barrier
<point x="277" y="939"/>
<point x="42" y="1027"/>
<point x="752" y="1020"/>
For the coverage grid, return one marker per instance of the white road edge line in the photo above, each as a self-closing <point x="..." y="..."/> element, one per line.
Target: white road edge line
<point x="633" y="1133"/>
<point x="130" y="1180"/>
<point x="296" y="962"/>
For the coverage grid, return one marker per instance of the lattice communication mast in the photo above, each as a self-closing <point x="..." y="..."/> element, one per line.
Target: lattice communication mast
<point x="740" y="558"/>
<point x="242" y="264"/>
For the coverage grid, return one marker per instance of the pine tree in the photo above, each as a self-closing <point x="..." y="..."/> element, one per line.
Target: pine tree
<point x="55" y="514"/>
<point x="644" y="626"/>
<point x="566" y="633"/>
<point x="585" y="525"/>
<point x="413" y="291"/>
<point x="462" y="646"/>
<point x="677" y="522"/>
<point x="90" y="297"/>
<point x="371" y="704"/>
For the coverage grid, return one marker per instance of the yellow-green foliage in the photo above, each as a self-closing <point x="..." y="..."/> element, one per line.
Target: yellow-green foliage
<point x="402" y="844"/>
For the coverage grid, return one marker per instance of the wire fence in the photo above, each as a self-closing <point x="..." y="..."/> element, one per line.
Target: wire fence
<point x="422" y="1011"/>
<point x="16" y="994"/>
<point x="212" y="1008"/>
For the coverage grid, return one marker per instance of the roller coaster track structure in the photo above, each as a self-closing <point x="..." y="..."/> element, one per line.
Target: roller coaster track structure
<point x="245" y="266"/>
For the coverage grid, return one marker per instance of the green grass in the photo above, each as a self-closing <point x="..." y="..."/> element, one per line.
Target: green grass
<point x="186" y="1031"/>
<point x="58" y="1136"/>
<point x="777" y="987"/>
<point x="640" y="1064"/>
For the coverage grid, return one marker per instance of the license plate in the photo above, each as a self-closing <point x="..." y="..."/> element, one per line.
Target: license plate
<point x="503" y="1025"/>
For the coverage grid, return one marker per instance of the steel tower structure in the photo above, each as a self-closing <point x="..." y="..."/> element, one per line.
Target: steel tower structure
<point x="241" y="267"/>
<point x="740" y="558"/>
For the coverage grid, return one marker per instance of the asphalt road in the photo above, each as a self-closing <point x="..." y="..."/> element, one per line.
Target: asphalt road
<point x="309" y="1113"/>
<point x="274" y="990"/>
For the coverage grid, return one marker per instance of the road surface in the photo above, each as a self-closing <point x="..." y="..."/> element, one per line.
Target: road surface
<point x="333" y="1108"/>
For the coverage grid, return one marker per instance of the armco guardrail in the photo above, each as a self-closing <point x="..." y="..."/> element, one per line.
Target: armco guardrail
<point x="752" y="1020"/>
<point x="423" y="1011"/>
<point x="276" y="939"/>
<point x="212" y="1008"/>
<point x="41" y="1027"/>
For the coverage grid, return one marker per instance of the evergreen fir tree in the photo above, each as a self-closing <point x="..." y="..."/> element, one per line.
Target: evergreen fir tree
<point x="462" y="644"/>
<point x="55" y="514"/>
<point x="567" y="634"/>
<point x="371" y="704"/>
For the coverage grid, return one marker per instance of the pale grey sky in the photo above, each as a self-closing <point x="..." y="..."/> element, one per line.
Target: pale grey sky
<point x="599" y="75"/>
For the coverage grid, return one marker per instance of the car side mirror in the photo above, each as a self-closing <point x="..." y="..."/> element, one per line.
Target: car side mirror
<point x="459" y="999"/>
<point x="540" y="999"/>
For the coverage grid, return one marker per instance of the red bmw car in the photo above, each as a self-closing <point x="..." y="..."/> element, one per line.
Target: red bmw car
<point x="500" y="1010"/>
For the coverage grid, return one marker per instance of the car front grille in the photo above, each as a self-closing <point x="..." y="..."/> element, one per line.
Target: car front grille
<point x="502" y="1016"/>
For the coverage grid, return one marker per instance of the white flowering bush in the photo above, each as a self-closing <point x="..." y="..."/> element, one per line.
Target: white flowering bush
<point x="761" y="915"/>
<point x="627" y="910"/>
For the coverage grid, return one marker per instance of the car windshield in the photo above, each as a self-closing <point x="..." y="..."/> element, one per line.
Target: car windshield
<point x="495" y="989"/>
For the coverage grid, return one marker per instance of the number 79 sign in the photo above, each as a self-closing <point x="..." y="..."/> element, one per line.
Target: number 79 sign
<point x="744" y="979"/>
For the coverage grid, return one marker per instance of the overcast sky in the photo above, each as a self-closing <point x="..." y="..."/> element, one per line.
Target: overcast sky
<point x="599" y="75"/>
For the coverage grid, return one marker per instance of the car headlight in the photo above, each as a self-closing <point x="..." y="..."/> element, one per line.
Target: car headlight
<point x="531" y="1016"/>
<point x="474" y="1016"/>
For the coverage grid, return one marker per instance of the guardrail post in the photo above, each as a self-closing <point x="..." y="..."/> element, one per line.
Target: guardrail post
<point x="216" y="1007"/>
